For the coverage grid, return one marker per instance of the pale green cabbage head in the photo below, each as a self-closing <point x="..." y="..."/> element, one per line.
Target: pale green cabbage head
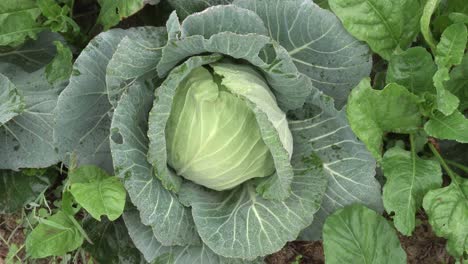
<point x="213" y="137"/>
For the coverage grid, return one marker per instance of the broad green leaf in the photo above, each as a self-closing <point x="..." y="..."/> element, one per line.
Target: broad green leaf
<point x="458" y="83"/>
<point x="111" y="242"/>
<point x="409" y="178"/>
<point x="18" y="189"/>
<point x="356" y="234"/>
<point x="451" y="46"/>
<point x="154" y="252"/>
<point x="447" y="209"/>
<point x="425" y="23"/>
<point x="320" y="129"/>
<point x="446" y="102"/>
<point x="11" y="101"/>
<point x="19" y="21"/>
<point x="412" y="69"/>
<point x="83" y="109"/>
<point x="453" y="127"/>
<point x="27" y="138"/>
<point x="185" y="8"/>
<point x="113" y="11"/>
<point x="97" y="192"/>
<point x="384" y="25"/>
<point x="159" y="208"/>
<point x="333" y="59"/>
<point x="371" y="113"/>
<point x="60" y="68"/>
<point x="134" y="59"/>
<point x="54" y="238"/>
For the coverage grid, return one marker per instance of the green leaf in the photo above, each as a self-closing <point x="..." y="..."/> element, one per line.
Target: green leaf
<point x="447" y="209"/>
<point x="409" y="178"/>
<point x="97" y="192"/>
<point x="459" y="18"/>
<point x="451" y="46"/>
<point x="58" y="19"/>
<point x="112" y="12"/>
<point x="371" y="113"/>
<point x="18" y="189"/>
<point x="332" y="58"/>
<point x="446" y="101"/>
<point x="425" y="23"/>
<point x="356" y="234"/>
<point x="159" y="208"/>
<point x="11" y="101"/>
<point x="111" y="242"/>
<point x="60" y="68"/>
<point x="411" y="69"/>
<point x="55" y="237"/>
<point x="383" y="25"/>
<point x="454" y="126"/>
<point x="458" y="83"/>
<point x="19" y="21"/>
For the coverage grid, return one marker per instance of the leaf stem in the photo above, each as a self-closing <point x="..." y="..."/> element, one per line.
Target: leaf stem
<point x="458" y="165"/>
<point x="451" y="174"/>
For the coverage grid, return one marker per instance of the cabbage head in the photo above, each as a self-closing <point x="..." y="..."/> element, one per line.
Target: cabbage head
<point x="226" y="126"/>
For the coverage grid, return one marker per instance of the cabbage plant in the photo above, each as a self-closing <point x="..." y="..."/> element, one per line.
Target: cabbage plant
<point x="223" y="126"/>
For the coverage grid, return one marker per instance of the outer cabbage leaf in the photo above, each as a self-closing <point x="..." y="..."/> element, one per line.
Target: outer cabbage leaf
<point x="83" y="110"/>
<point x="11" y="101"/>
<point x="185" y="8"/>
<point x="33" y="55"/>
<point x="27" y="138"/>
<point x="318" y="44"/>
<point x="288" y="85"/>
<point x="134" y="59"/>
<point x="349" y="166"/>
<point x="155" y="252"/>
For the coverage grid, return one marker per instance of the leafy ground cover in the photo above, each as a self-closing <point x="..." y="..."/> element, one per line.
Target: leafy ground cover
<point x="233" y="131"/>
